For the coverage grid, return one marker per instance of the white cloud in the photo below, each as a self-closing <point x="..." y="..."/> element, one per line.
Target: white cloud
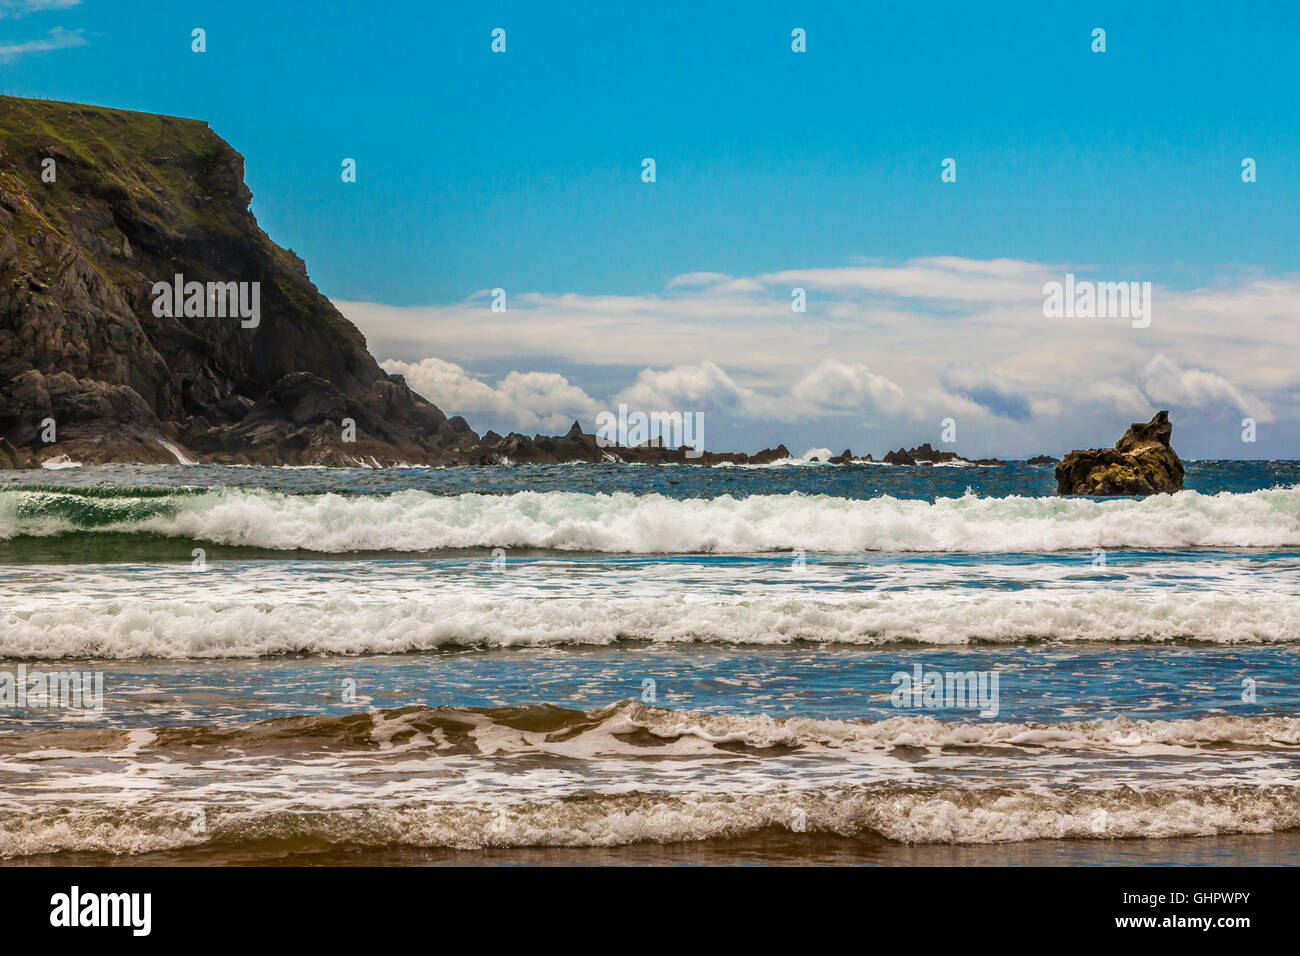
<point x="904" y="344"/>
<point x="697" y="388"/>
<point x="1122" y="396"/>
<point x="20" y="8"/>
<point x="526" y="400"/>
<point x="1166" y="383"/>
<point x="992" y="392"/>
<point x="848" y="387"/>
<point x="56" y="39"/>
<point x="697" y="279"/>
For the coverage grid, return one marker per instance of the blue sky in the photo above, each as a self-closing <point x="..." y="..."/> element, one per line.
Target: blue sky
<point x="522" y="171"/>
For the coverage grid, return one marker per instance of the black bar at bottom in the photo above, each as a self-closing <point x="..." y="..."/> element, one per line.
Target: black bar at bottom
<point x="642" y="907"/>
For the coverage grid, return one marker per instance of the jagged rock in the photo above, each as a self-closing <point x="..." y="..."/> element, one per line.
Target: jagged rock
<point x="11" y="457"/>
<point x="926" y="455"/>
<point x="308" y="399"/>
<point x="769" y="455"/>
<point x="920" y="455"/>
<point x="1142" y="463"/>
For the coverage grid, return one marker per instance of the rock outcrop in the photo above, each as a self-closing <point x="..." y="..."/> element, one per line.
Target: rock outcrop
<point x="96" y="206"/>
<point x="1142" y="463"/>
<point x="926" y="455"/>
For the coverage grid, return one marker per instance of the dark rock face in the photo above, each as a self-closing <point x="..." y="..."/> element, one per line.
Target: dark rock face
<point x="1142" y="463"/>
<point x="926" y="455"/>
<point x="769" y="455"/>
<point x="1042" y="460"/>
<point x="138" y="199"/>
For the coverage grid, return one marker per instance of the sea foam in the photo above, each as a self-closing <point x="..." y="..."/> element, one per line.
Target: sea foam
<point x="417" y="521"/>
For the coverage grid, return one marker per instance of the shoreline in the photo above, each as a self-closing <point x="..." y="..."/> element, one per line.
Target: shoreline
<point x="774" y="847"/>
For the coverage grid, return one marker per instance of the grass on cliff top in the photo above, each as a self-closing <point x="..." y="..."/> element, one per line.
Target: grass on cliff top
<point x="97" y="133"/>
<point x="133" y="152"/>
<point x="128" y="151"/>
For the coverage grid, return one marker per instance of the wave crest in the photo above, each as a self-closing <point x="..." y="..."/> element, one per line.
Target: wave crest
<point x="417" y="521"/>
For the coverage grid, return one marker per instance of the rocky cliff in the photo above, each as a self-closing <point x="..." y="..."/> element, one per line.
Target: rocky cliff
<point x="1143" y="462"/>
<point x="97" y="206"/>
<point x="131" y="267"/>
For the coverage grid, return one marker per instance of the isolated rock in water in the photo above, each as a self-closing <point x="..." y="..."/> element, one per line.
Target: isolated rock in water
<point x="1042" y="460"/>
<point x="1141" y="463"/>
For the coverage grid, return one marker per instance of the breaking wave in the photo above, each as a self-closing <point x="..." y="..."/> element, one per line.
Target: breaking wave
<point x="592" y="814"/>
<point x="330" y="623"/>
<point x="418" y="521"/>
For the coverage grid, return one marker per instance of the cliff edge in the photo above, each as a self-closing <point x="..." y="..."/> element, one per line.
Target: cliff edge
<point x="99" y="210"/>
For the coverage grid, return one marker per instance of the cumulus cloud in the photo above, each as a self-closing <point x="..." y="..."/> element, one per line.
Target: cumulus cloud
<point x="1166" y="383"/>
<point x="703" y="387"/>
<point x="990" y="391"/>
<point x="880" y="343"/>
<point x="1123" y="396"/>
<point x="527" y="400"/>
<point x="835" y="386"/>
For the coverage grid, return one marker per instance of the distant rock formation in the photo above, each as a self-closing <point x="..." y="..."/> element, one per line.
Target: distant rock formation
<point x="1141" y="463"/>
<point x="925" y="455"/>
<point x="1042" y="460"/>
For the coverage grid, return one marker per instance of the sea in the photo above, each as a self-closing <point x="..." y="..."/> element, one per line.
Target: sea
<point x="798" y="663"/>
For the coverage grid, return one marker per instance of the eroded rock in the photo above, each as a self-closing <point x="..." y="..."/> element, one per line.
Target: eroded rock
<point x="1143" y="462"/>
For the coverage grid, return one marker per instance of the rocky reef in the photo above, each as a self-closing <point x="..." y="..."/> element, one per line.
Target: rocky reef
<point x="925" y="455"/>
<point x="1142" y="463"/>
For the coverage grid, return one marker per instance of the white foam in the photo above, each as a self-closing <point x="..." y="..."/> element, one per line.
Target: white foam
<point x="419" y="521"/>
<point x="59" y="463"/>
<point x="323" y="620"/>
<point x="176" y="453"/>
<point x="977" y="783"/>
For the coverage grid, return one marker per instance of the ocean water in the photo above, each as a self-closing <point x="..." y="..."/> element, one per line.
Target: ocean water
<point x="614" y="663"/>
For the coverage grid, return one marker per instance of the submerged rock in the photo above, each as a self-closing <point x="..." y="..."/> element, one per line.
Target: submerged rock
<point x="1141" y="463"/>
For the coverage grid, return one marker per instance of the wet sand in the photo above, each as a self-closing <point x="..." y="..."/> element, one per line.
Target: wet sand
<point x="771" y="849"/>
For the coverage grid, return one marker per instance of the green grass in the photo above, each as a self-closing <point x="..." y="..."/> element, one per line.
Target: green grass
<point x="133" y="155"/>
